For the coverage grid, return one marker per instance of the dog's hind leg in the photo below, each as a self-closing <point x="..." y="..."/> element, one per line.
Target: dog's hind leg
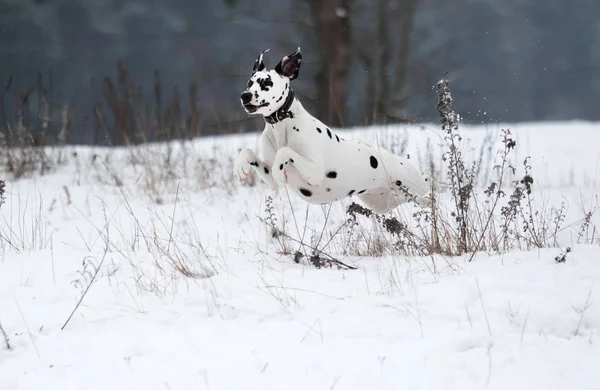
<point x="309" y="170"/>
<point x="379" y="200"/>
<point x="383" y="199"/>
<point x="404" y="180"/>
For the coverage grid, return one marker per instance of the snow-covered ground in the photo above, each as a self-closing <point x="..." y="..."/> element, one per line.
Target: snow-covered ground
<point x="248" y="317"/>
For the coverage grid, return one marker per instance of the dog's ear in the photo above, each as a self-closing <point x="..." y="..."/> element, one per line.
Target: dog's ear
<point x="289" y="66"/>
<point x="259" y="64"/>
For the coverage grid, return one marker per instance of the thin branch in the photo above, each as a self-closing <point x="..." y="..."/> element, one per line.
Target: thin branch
<point x="5" y="336"/>
<point x="585" y="307"/>
<point x="87" y="288"/>
<point x="329" y="258"/>
<point x="173" y="219"/>
<point x="483" y="307"/>
<point x="524" y="325"/>
<point x="27" y="327"/>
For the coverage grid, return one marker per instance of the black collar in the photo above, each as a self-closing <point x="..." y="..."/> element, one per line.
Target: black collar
<point x="283" y="112"/>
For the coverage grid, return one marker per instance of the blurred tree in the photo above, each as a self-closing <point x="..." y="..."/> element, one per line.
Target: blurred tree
<point x="383" y="48"/>
<point x="366" y="61"/>
<point x="332" y="19"/>
<point x="231" y="3"/>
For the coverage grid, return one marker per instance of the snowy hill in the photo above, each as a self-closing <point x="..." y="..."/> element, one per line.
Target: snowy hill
<point x="185" y="286"/>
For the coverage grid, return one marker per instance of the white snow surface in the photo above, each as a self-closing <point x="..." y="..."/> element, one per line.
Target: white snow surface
<point x="253" y="319"/>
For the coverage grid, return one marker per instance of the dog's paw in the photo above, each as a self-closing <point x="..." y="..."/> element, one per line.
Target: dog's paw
<point x="242" y="167"/>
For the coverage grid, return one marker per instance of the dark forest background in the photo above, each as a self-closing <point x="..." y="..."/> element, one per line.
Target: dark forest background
<point x="112" y="71"/>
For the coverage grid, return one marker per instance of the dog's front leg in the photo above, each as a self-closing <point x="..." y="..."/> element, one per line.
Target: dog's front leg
<point x="309" y="170"/>
<point x="248" y="161"/>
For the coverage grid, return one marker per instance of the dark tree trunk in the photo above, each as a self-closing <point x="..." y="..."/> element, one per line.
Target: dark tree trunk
<point x="384" y="54"/>
<point x="332" y="19"/>
<point x="409" y="8"/>
<point x="384" y="50"/>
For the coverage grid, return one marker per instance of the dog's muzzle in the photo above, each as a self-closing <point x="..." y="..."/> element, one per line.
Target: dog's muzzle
<point x="246" y="98"/>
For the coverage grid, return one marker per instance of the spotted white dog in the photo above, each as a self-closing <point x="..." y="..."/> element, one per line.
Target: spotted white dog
<point x="298" y="151"/>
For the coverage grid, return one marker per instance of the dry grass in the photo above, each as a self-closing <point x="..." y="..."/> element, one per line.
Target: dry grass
<point x="2" y="190"/>
<point x="161" y="249"/>
<point x="505" y="216"/>
<point x="23" y="227"/>
<point x="490" y="205"/>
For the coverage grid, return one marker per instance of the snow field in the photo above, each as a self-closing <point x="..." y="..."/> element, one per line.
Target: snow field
<point x="251" y="318"/>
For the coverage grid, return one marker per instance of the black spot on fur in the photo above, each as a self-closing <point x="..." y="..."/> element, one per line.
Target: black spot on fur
<point x="297" y="129"/>
<point x="426" y="179"/>
<point x="374" y="162"/>
<point x="328" y="189"/>
<point x="250" y="82"/>
<point x="360" y="192"/>
<point x="398" y="183"/>
<point x="281" y="167"/>
<point x="337" y="138"/>
<point x="329" y="133"/>
<point x="351" y="193"/>
<point x="332" y="174"/>
<point x="256" y="95"/>
<point x="292" y="160"/>
<point x="265" y="83"/>
<point x="254" y="164"/>
<point x="319" y="130"/>
<point x="266" y="170"/>
<point x="305" y="192"/>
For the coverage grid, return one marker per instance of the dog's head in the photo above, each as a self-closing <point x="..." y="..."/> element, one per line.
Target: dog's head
<point x="267" y="90"/>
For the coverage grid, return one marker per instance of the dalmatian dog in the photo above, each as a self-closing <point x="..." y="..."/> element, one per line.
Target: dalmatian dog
<point x="298" y="151"/>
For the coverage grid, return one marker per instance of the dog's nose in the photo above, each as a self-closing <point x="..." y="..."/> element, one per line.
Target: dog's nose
<point x="246" y="97"/>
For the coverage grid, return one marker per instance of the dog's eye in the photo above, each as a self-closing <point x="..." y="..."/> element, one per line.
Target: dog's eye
<point x="250" y="83"/>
